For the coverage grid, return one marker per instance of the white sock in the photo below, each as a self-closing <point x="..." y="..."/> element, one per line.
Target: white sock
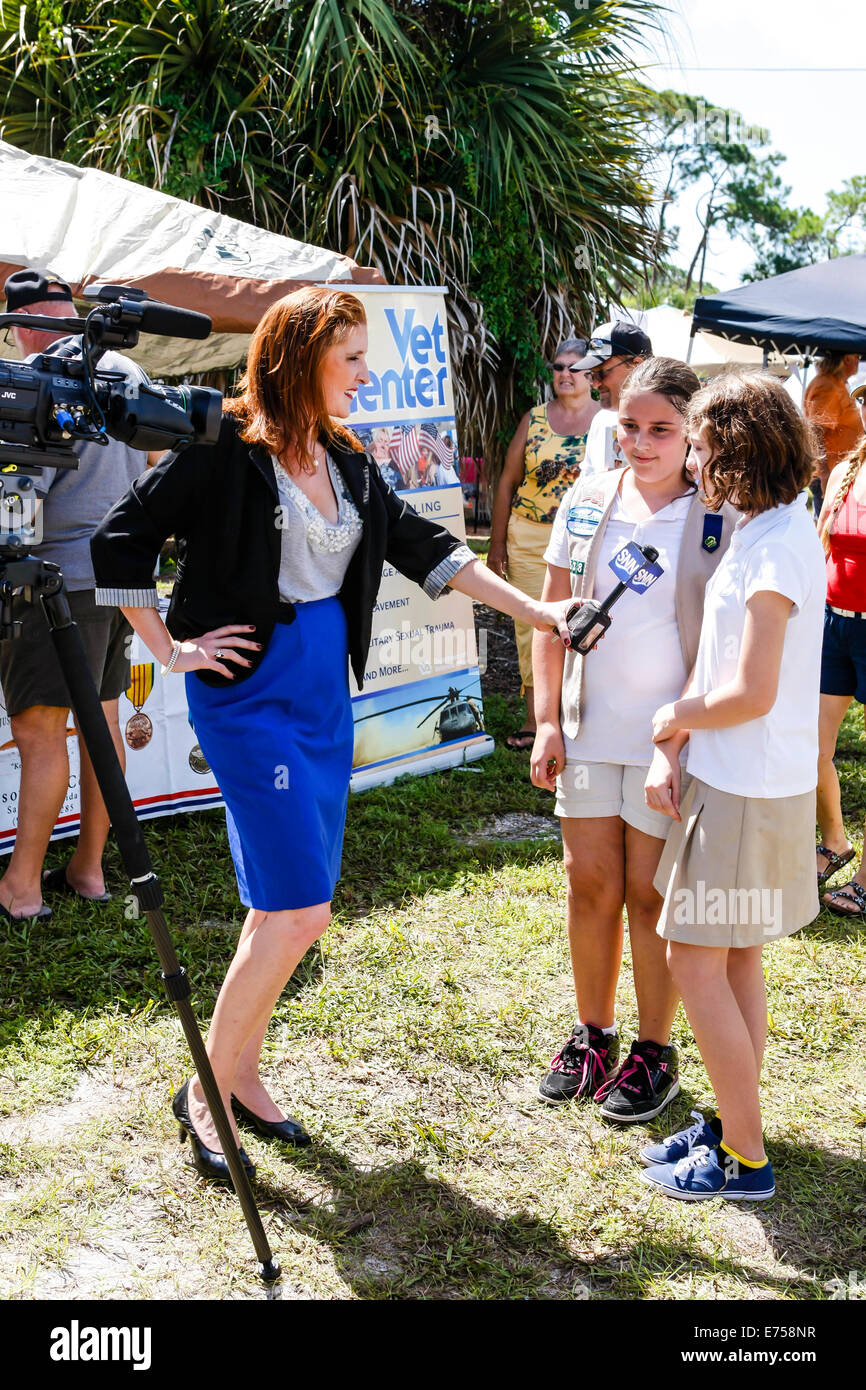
<point x="608" y="1032"/>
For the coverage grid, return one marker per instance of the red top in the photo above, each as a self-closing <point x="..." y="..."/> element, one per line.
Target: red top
<point x="846" y="563"/>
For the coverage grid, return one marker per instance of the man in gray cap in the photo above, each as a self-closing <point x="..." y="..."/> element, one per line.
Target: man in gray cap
<point x="34" y="691"/>
<point x="612" y="351"/>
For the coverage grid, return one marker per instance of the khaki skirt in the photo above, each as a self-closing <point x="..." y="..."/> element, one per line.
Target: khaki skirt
<point x="738" y="870"/>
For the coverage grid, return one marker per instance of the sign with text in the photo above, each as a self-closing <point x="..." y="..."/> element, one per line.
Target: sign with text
<point x="421" y="705"/>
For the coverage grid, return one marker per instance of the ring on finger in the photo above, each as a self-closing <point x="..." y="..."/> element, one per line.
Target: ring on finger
<point x="218" y="654"/>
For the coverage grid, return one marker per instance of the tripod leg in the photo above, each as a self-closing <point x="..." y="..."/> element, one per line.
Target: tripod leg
<point x="94" y="730"/>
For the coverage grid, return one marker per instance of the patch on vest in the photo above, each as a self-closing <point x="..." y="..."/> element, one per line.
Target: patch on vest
<point x="583" y="519"/>
<point x="577" y="566"/>
<point x="712" y="534"/>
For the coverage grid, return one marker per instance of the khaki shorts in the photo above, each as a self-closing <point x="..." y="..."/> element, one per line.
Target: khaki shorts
<point x="738" y="870"/>
<point x="588" y="791"/>
<point x="30" y="672"/>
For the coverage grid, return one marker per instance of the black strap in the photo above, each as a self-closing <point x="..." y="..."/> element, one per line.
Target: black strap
<point x="176" y="986"/>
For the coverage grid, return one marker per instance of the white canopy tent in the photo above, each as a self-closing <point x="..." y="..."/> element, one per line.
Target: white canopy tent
<point x="85" y="225"/>
<point x="669" y="330"/>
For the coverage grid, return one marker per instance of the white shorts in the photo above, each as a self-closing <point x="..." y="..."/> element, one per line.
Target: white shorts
<point x="587" y="791"/>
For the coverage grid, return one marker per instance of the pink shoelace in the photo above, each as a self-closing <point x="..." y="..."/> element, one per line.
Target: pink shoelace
<point x="629" y="1068"/>
<point x="591" y="1066"/>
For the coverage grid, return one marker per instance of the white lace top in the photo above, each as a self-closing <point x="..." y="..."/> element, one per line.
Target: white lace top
<point x="315" y="552"/>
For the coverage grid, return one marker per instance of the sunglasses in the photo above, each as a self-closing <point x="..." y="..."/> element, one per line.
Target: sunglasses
<point x="573" y="367"/>
<point x="7" y="333"/>
<point x="599" y="373"/>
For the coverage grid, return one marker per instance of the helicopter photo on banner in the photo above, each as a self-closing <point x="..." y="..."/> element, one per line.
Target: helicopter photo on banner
<point x="421" y="708"/>
<point x="421" y="723"/>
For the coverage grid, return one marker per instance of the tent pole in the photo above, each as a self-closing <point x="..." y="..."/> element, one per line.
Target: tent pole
<point x="691" y="341"/>
<point x="806" y="365"/>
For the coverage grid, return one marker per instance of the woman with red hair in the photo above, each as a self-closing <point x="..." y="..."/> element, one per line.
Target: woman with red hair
<point x="282" y="527"/>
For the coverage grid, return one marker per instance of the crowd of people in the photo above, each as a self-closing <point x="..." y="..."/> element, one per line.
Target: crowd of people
<point x="683" y="750"/>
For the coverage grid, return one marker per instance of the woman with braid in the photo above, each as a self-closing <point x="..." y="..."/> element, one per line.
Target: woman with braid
<point x="842" y="527"/>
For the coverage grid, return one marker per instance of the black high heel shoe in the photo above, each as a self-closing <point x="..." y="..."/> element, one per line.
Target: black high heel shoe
<point x="288" y="1130"/>
<point x="209" y="1162"/>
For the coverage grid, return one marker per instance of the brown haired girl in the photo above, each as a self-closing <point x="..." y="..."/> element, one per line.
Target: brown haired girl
<point x="594" y="741"/>
<point x="736" y="871"/>
<point x="842" y="527"/>
<point x="283" y="527"/>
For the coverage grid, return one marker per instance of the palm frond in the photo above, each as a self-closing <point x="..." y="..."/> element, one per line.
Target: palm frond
<point x="494" y="148"/>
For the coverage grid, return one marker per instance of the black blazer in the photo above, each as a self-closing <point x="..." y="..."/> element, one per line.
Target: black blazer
<point x="221" y="503"/>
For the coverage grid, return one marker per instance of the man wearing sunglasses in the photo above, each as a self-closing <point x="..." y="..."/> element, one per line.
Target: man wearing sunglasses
<point x="612" y="352"/>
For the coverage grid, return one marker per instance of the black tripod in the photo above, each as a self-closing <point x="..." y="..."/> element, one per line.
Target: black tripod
<point x="45" y="582"/>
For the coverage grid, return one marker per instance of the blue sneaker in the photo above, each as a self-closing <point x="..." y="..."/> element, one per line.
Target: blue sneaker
<point x="708" y="1172"/>
<point x="680" y="1145"/>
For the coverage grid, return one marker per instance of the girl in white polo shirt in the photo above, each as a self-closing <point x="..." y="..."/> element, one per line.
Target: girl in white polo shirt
<point x="737" y="870"/>
<point x="594" y="742"/>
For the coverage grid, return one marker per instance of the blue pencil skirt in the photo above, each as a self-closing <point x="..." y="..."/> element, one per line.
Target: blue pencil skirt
<point x="280" y="746"/>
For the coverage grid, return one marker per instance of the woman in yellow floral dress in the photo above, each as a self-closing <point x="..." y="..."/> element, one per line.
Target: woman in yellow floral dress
<point x="542" y="462"/>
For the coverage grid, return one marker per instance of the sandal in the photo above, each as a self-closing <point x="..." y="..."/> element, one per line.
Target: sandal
<point x="41" y="915"/>
<point x="55" y="881"/>
<point x="834" y="862"/>
<point x="526" y="737"/>
<point x="857" y="896"/>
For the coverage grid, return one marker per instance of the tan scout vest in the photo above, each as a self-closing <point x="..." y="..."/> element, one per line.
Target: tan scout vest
<point x="590" y="503"/>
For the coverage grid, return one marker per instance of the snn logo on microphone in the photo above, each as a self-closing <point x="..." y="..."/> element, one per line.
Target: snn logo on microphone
<point x="633" y="568"/>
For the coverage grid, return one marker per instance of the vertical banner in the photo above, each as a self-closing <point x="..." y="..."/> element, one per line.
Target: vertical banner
<point x="421" y="706"/>
<point x="165" y="770"/>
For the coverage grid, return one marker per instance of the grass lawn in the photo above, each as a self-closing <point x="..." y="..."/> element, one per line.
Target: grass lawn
<point x="410" y="1044"/>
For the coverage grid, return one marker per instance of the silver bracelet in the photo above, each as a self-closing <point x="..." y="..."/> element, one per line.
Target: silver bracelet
<point x="169" y="665"/>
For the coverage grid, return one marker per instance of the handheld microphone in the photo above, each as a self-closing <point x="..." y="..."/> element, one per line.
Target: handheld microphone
<point x="636" y="569"/>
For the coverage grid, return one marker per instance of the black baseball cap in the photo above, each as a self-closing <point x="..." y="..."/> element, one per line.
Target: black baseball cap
<point x="620" y="339"/>
<point x="25" y="287"/>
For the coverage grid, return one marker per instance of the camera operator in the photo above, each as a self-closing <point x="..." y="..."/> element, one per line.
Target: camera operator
<point x="73" y="503"/>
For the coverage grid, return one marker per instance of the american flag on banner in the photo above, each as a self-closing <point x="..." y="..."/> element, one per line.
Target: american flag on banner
<point x="404" y="450"/>
<point x="431" y="439"/>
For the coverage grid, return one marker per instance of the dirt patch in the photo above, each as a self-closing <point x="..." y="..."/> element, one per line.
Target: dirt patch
<point x="514" y="826"/>
<point x="96" y="1094"/>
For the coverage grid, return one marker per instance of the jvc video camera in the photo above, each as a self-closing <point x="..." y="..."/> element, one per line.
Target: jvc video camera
<point x="61" y="397"/>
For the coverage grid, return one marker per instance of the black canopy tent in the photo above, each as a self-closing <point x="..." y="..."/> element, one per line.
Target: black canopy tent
<point x="819" y="308"/>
